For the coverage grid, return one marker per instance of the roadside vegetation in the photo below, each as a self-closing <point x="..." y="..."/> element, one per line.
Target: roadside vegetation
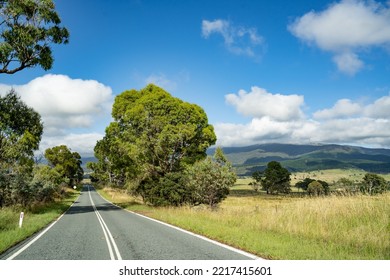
<point x="36" y="217"/>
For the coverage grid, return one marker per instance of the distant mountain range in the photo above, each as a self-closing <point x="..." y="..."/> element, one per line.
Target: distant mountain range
<point x="307" y="157"/>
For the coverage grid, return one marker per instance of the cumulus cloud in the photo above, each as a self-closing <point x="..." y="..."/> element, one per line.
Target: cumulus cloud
<point x="345" y="28"/>
<point x="238" y="40"/>
<point x="348" y="63"/>
<point x="343" y="108"/>
<point x="65" y="104"/>
<point x="379" y="109"/>
<point x="346" y="122"/>
<point x="260" y="103"/>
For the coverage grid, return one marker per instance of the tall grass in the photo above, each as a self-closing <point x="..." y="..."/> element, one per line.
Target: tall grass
<point x="352" y="227"/>
<point x="35" y="218"/>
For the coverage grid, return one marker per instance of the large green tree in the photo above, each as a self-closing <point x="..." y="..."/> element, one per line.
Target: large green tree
<point x="21" y="130"/>
<point x="27" y="29"/>
<point x="276" y="178"/>
<point x="66" y="163"/>
<point x="153" y="137"/>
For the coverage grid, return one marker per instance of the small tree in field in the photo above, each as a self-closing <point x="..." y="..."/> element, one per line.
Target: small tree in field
<point x="209" y="180"/>
<point x="276" y="179"/>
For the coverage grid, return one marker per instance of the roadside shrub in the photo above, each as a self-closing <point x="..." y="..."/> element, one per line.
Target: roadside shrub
<point x="210" y="182"/>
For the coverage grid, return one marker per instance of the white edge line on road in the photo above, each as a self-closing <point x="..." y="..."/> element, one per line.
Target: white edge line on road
<point x="39" y="235"/>
<point x="249" y="255"/>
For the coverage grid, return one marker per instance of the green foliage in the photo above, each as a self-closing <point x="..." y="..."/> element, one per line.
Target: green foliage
<point x="304" y="184"/>
<point x="276" y="179"/>
<point x="65" y="163"/>
<point x="209" y="181"/>
<point x="27" y="28"/>
<point x="164" y="190"/>
<point x="152" y="139"/>
<point x="373" y="184"/>
<point x="25" y="190"/>
<point x="315" y="188"/>
<point x="20" y="131"/>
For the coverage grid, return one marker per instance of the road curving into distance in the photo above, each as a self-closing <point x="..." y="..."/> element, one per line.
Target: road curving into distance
<point x="94" y="229"/>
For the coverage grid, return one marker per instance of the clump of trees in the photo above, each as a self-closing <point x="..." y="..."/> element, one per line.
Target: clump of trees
<point x="154" y="148"/>
<point x="22" y="181"/>
<point x="371" y="184"/>
<point x="65" y="163"/>
<point x="314" y="187"/>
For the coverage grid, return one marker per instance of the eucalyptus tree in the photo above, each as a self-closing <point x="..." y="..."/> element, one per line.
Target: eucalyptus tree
<point x="27" y="30"/>
<point x="21" y="130"/>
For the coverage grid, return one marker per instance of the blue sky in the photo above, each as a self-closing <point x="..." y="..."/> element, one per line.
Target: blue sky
<point x="264" y="71"/>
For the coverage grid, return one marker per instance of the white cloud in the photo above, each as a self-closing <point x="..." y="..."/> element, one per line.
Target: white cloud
<point x="344" y="29"/>
<point x="217" y="26"/>
<point x="260" y="103"/>
<point x="263" y="130"/>
<point x="238" y="40"/>
<point x="82" y="143"/>
<point x="342" y="108"/>
<point x="358" y="131"/>
<point x="348" y="63"/>
<point x="66" y="104"/>
<point x="347" y="122"/>
<point x="379" y="109"/>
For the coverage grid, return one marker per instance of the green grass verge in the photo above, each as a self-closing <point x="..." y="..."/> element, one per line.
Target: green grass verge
<point x="34" y="220"/>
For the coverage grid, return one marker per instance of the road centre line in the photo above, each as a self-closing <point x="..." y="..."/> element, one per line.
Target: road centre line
<point x="107" y="234"/>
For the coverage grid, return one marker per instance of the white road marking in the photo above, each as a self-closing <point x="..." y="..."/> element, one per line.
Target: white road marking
<point x="107" y="234"/>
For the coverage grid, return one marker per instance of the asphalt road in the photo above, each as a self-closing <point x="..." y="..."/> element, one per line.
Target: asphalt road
<point x="94" y="229"/>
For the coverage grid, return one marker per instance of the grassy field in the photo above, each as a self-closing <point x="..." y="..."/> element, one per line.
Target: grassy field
<point x="285" y="227"/>
<point x="34" y="220"/>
